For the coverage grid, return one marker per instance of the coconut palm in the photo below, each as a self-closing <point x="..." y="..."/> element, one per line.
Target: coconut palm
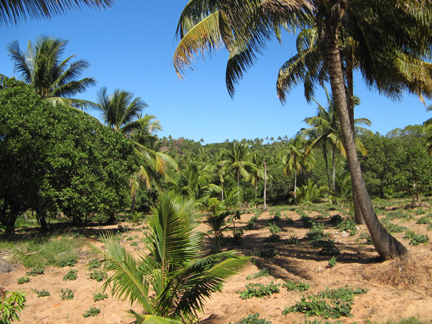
<point x="52" y="77"/>
<point x="243" y="28"/>
<point x="121" y="111"/>
<point x="13" y="11"/>
<point x="325" y="128"/>
<point x="296" y="159"/>
<point x="175" y="268"/>
<point x="236" y="160"/>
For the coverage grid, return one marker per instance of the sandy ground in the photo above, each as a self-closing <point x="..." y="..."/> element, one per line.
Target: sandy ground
<point x="396" y="290"/>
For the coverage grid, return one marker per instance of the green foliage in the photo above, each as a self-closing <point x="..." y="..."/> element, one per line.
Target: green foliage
<point x="316" y="233"/>
<point x="134" y="244"/>
<point x="292" y="240"/>
<point x="268" y="251"/>
<point x="310" y="193"/>
<point x="93" y="311"/>
<point x="36" y="272"/>
<point x="41" y="293"/>
<point x="176" y="271"/>
<point x="99" y="297"/>
<point x="425" y="219"/>
<point x="67" y="261"/>
<point x="264" y="272"/>
<point x="253" y="319"/>
<point x="12" y="304"/>
<point x="98" y="275"/>
<point x="66" y="294"/>
<point x="415" y="238"/>
<point x="94" y="264"/>
<point x="329" y="247"/>
<point x="332" y="262"/>
<point x="366" y="237"/>
<point x="71" y="275"/>
<point x="65" y="159"/>
<point x="273" y="228"/>
<point x="295" y="286"/>
<point x="259" y="290"/>
<point x="273" y="238"/>
<point x="23" y="280"/>
<point x="328" y="304"/>
<point x="392" y="228"/>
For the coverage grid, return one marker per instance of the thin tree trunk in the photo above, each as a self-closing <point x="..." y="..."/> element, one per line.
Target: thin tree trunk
<point x="265" y="186"/>
<point x="326" y="164"/>
<point x="333" y="167"/>
<point x="387" y="246"/>
<point x="350" y="101"/>
<point x="295" y="187"/>
<point x="222" y="191"/>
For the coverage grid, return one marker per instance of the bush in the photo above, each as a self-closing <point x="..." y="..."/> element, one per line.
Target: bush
<point x="253" y="319"/>
<point x="259" y="290"/>
<point x="295" y="285"/>
<point x="264" y="272"/>
<point x="13" y="303"/>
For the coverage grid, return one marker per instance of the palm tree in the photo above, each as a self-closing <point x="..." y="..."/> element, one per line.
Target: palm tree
<point x="236" y="160"/>
<point x="12" y="11"/>
<point x="52" y="78"/>
<point x="121" y="111"/>
<point x="325" y="127"/>
<point x="175" y="268"/>
<point x="243" y="28"/>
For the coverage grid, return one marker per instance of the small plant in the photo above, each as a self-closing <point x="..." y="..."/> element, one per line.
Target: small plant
<point x="295" y="285"/>
<point x="367" y="237"/>
<point x="93" y="311"/>
<point x="130" y="238"/>
<point x="268" y="251"/>
<point x="99" y="297"/>
<point x="425" y="220"/>
<point x="416" y="239"/>
<point x="134" y="244"/>
<point x="253" y="319"/>
<point x="12" y="304"/>
<point x="36" y="272"/>
<point x="42" y="293"/>
<point x="71" y="275"/>
<point x="94" y="264"/>
<point x="329" y="248"/>
<point x="264" y="272"/>
<point x="289" y="221"/>
<point x="274" y="238"/>
<point x="392" y="228"/>
<point x="274" y="229"/>
<point x="98" y="275"/>
<point x="277" y="216"/>
<point x="332" y="262"/>
<point x="292" y="240"/>
<point x="68" y="261"/>
<point x="23" y="280"/>
<point x="66" y="294"/>
<point x="259" y="290"/>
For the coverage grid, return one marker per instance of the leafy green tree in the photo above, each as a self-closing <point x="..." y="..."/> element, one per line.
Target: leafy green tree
<point x="12" y="12"/>
<point x="65" y="160"/>
<point x="175" y="269"/>
<point x="51" y="77"/>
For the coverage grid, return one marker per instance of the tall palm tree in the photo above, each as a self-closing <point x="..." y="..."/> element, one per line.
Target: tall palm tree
<point x="121" y="111"/>
<point x="243" y="28"/>
<point x="325" y="127"/>
<point x="296" y="159"/>
<point x="13" y="11"/>
<point x="236" y="159"/>
<point x="52" y="77"/>
<point x="175" y="268"/>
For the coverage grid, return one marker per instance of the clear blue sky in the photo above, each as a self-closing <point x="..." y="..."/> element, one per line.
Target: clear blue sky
<point x="131" y="46"/>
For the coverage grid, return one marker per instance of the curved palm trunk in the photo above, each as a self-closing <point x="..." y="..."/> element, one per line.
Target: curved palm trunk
<point x="333" y="167"/>
<point x="387" y="246"/>
<point x="358" y="217"/>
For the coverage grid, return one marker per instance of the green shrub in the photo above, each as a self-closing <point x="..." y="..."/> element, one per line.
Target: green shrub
<point x="292" y="240"/>
<point x="425" y="220"/>
<point x="99" y="297"/>
<point x="98" y="275"/>
<point x="66" y="294"/>
<point x="415" y="238"/>
<point x="329" y="247"/>
<point x="259" y="290"/>
<point x="93" y="311"/>
<point x="71" y="275"/>
<point x="23" y="280"/>
<point x="332" y="262"/>
<point x="295" y="285"/>
<point x="264" y="272"/>
<point x="41" y="293"/>
<point x="367" y="237"/>
<point x="67" y="261"/>
<point x="274" y="238"/>
<point x="253" y="319"/>
<point x="273" y="228"/>
<point x="36" y="272"/>
<point x="94" y="264"/>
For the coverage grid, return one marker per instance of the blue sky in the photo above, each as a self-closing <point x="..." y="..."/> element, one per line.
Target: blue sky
<point x="131" y="46"/>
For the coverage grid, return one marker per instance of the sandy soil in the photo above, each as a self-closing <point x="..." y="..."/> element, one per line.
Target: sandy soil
<point x="396" y="290"/>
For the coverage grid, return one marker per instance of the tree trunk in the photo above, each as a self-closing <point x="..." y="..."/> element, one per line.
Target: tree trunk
<point x="133" y="205"/>
<point x="387" y="246"/>
<point x="326" y="164"/>
<point x="350" y="102"/>
<point x="222" y="191"/>
<point x="333" y="167"/>
<point x="295" y="187"/>
<point x="112" y="218"/>
<point x="265" y="186"/>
